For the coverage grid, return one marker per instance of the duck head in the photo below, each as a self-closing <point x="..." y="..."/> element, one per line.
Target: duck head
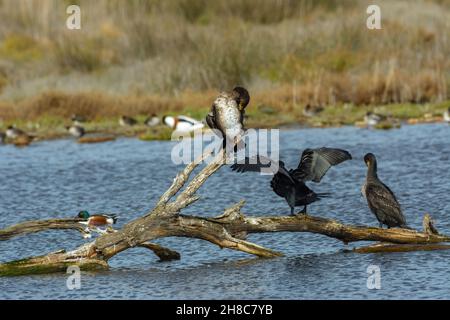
<point x="242" y="97"/>
<point x="83" y="214"/>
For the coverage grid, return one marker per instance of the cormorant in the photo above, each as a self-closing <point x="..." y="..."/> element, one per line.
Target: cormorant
<point x="227" y="114"/>
<point x="127" y="121"/>
<point x="290" y="184"/>
<point x="182" y="124"/>
<point x="76" y="131"/>
<point x="381" y="200"/>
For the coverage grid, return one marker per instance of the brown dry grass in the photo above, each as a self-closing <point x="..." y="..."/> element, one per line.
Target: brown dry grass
<point x="141" y="57"/>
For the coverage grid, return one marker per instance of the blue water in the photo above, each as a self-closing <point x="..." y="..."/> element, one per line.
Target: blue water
<point x="58" y="178"/>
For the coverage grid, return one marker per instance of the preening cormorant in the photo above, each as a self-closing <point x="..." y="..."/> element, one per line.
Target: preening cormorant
<point x="227" y="114"/>
<point x="290" y="184"/>
<point x="381" y="200"/>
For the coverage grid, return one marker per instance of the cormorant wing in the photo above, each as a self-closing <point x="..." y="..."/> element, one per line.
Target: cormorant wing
<point x="210" y="120"/>
<point x="314" y="163"/>
<point x="382" y="200"/>
<point x="259" y="162"/>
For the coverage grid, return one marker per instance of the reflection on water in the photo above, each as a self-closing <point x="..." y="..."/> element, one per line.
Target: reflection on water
<point x="126" y="177"/>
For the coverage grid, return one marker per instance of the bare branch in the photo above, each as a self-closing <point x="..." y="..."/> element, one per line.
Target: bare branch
<point x="163" y="253"/>
<point x="41" y="225"/>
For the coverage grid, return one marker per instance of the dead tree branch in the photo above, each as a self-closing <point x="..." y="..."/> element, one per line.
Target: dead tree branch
<point x="228" y="230"/>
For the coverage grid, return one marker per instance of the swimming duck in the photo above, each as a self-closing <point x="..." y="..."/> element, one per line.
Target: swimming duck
<point x="12" y="132"/>
<point x="78" y="119"/>
<point x="227" y="114"/>
<point x="290" y="184"/>
<point x="372" y="119"/>
<point x="311" y="111"/>
<point x="152" y="121"/>
<point x="447" y="115"/>
<point x="127" y="121"/>
<point x="182" y="124"/>
<point x="97" y="220"/>
<point x="380" y="199"/>
<point x="76" y="130"/>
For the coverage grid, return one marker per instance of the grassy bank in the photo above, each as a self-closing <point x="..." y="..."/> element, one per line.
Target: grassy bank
<point x="47" y="115"/>
<point x="141" y="57"/>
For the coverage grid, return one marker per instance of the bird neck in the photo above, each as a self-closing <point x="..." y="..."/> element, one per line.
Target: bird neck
<point x="372" y="170"/>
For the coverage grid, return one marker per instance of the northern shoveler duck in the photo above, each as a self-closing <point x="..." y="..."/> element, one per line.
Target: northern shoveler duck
<point x="78" y="119"/>
<point x="447" y="115"/>
<point x="312" y="111"/>
<point x="380" y="199"/>
<point x="227" y="114"/>
<point x="12" y="132"/>
<point x="76" y="131"/>
<point x="125" y="121"/>
<point x="97" y="220"/>
<point x="290" y="184"/>
<point x="182" y="124"/>
<point x="152" y="121"/>
<point x="372" y="119"/>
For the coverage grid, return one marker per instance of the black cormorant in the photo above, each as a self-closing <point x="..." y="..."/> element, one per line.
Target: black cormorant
<point x="290" y="184"/>
<point x="381" y="200"/>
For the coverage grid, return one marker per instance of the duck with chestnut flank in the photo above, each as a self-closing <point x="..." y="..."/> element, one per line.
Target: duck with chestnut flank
<point x="97" y="220"/>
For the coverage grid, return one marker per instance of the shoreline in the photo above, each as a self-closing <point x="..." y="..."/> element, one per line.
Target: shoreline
<point x="163" y="133"/>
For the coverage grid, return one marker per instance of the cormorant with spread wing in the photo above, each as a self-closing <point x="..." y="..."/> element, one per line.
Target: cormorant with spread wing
<point x="290" y="184"/>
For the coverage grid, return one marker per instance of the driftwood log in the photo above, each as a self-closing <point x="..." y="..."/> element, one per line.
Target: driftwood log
<point x="228" y="230"/>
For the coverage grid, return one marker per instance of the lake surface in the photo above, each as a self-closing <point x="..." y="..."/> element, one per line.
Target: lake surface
<point x="59" y="178"/>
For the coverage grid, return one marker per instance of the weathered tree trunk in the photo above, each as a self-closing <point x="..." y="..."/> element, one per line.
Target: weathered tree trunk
<point x="229" y="230"/>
